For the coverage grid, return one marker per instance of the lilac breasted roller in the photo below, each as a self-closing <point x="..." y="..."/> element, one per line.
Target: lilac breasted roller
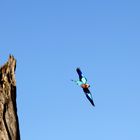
<point x="82" y="82"/>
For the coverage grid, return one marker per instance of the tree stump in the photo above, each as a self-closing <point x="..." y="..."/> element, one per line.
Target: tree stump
<point x="9" y="125"/>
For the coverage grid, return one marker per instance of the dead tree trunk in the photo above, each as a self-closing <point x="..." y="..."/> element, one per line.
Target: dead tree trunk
<point x="9" y="125"/>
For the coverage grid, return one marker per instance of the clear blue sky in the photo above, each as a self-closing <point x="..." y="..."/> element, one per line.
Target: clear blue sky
<point x="50" y="39"/>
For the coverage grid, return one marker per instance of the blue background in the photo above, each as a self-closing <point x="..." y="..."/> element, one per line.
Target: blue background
<point x="50" y="39"/>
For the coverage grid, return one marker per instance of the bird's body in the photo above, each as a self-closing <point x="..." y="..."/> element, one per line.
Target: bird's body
<point x="85" y="85"/>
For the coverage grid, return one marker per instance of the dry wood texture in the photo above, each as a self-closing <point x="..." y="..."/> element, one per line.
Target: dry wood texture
<point x="9" y="125"/>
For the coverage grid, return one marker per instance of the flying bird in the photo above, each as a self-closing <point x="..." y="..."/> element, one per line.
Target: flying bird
<point x="82" y="82"/>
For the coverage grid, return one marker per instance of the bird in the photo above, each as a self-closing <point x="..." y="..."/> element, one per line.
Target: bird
<point x="82" y="82"/>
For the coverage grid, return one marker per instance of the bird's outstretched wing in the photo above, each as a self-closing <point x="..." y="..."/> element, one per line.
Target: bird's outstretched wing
<point x="79" y="73"/>
<point x="88" y="95"/>
<point x="81" y="77"/>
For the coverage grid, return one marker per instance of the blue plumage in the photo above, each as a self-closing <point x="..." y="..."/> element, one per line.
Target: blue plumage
<point x="82" y="82"/>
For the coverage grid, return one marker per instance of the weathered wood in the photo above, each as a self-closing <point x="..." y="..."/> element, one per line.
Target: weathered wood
<point x="9" y="125"/>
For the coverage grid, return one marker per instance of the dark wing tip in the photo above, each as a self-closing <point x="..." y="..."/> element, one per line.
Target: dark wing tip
<point x="79" y="73"/>
<point x="91" y="100"/>
<point x="93" y="103"/>
<point x="78" y="70"/>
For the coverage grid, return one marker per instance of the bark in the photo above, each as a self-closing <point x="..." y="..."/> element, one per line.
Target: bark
<point x="9" y="125"/>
